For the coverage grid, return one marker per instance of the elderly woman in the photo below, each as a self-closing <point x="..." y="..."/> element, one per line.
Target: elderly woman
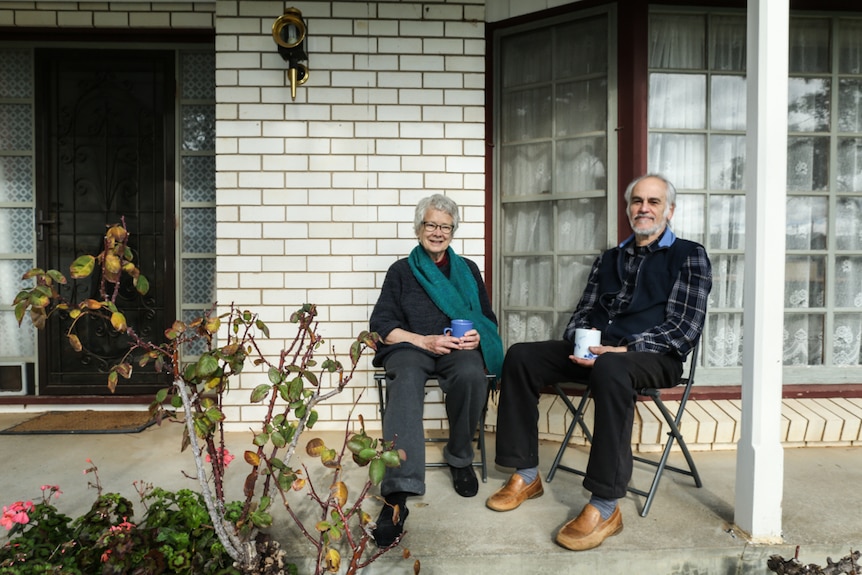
<point x="420" y="296"/>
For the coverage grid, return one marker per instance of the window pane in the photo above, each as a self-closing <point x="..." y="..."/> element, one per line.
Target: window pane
<point x="848" y="224"/>
<point x="723" y="335"/>
<point x="527" y="58"/>
<point x="582" y="225"/>
<point x="728" y="272"/>
<point x="581" y="107"/>
<point x="727" y="109"/>
<point x="16" y="71"/>
<point x="803" y="339"/>
<point x="850" y="46"/>
<point x="586" y="38"/>
<point x="804" y="277"/>
<point x="530" y="326"/>
<point x="16" y="122"/>
<point x="573" y="275"/>
<point x="526" y="114"/>
<point x="809" y="45"/>
<point x="581" y="165"/>
<point x="677" y="41"/>
<point x="847" y="339"/>
<point x="848" y="282"/>
<point x="849" y="178"/>
<point x="689" y="217"/>
<point x="808" y="104"/>
<point x="806" y="223"/>
<point x="527" y="227"/>
<point x="808" y="164"/>
<point x="526" y="170"/>
<point x="528" y="282"/>
<point x="727" y="43"/>
<point x="677" y="101"/>
<point x="16" y="179"/>
<point x="850" y="105"/>
<point x="198" y="128"/>
<point x="727" y="222"/>
<point x="727" y="162"/>
<point x="680" y="158"/>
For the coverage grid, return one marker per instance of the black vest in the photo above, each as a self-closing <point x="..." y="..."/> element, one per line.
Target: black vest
<point x="655" y="278"/>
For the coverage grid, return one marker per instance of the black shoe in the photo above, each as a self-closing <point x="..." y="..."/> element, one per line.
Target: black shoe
<point x="387" y="531"/>
<point x="465" y="481"/>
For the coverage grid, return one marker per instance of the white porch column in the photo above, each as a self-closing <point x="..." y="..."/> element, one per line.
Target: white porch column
<point x="760" y="459"/>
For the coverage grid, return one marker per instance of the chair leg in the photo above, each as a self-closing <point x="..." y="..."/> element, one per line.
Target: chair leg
<point x="577" y="419"/>
<point x="661" y="465"/>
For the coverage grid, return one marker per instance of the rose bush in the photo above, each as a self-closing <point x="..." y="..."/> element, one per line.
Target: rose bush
<point x="296" y="383"/>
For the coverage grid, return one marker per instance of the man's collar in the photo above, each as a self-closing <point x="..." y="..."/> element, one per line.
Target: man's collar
<point x="664" y="240"/>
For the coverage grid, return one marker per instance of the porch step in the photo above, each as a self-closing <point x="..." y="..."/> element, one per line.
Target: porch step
<point x="714" y="425"/>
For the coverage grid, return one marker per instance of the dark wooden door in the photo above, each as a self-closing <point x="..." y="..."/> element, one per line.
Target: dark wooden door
<point x="105" y="128"/>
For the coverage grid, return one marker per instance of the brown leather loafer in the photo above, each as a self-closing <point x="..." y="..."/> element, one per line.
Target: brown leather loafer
<point x="587" y="530"/>
<point x="515" y="492"/>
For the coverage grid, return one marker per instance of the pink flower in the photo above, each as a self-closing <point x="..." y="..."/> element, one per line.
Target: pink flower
<point x="16" y="513"/>
<point x="225" y="456"/>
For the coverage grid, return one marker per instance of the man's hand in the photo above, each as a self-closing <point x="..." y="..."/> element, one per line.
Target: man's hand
<point x="598" y="350"/>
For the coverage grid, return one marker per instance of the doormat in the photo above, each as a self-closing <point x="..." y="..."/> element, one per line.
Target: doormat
<point x="88" y="421"/>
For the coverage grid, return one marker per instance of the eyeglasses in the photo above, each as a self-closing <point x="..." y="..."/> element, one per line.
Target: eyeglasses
<point x="445" y="228"/>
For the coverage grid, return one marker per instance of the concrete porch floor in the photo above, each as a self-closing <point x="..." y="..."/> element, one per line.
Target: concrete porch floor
<point x="688" y="530"/>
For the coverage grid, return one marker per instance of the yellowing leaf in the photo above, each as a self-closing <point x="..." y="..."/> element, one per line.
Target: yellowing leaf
<point x="315" y="447"/>
<point x="75" y="342"/>
<point x="118" y="320"/>
<point x="339" y="493"/>
<point x="112" y="264"/>
<point x="93" y="304"/>
<point x="252" y="458"/>
<point x="333" y="561"/>
<point x="82" y="267"/>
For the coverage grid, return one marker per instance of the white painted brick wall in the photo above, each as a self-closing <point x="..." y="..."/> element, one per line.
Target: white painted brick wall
<point x="393" y="111"/>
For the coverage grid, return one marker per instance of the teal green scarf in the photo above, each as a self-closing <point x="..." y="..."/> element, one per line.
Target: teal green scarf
<point x="458" y="297"/>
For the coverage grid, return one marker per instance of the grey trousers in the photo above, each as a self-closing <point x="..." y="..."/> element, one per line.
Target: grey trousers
<point x="461" y="375"/>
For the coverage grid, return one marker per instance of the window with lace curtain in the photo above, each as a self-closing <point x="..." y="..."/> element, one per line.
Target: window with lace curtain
<point x="555" y="114"/>
<point x="696" y="122"/>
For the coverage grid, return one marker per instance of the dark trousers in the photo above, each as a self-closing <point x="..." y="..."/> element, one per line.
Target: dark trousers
<point x="461" y="375"/>
<point x="613" y="381"/>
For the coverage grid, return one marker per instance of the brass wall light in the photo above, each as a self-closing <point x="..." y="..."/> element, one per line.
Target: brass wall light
<point x="289" y="31"/>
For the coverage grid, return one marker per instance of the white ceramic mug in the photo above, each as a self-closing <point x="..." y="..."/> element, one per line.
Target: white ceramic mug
<point x="584" y="339"/>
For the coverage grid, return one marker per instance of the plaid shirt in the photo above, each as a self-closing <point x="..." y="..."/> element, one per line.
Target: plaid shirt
<point x="686" y="306"/>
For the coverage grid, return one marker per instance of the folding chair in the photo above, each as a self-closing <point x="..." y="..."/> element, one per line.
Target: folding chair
<point x="383" y="395"/>
<point x="672" y="420"/>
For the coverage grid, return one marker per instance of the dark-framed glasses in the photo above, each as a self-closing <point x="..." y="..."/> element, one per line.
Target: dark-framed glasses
<point x="445" y="228"/>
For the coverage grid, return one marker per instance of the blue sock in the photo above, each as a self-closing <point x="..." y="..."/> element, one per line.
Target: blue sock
<point x="529" y="474"/>
<point x="605" y="506"/>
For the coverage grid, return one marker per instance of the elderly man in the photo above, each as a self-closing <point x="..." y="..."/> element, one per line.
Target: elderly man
<point x="648" y="297"/>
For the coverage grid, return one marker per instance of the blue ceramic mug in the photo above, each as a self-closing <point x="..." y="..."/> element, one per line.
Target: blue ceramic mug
<point x="458" y="327"/>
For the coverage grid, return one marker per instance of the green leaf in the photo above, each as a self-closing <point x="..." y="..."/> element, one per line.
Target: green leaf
<point x="391" y="459"/>
<point x="82" y="267"/>
<point x="207" y="365"/>
<point x="262" y="327"/>
<point x="376" y="471"/>
<point x="312" y="419"/>
<point x="278" y="439"/>
<point x="368" y="453"/>
<point x="214" y="414"/>
<point x="261" y="439"/>
<point x="355" y="352"/>
<point x="161" y="395"/>
<point x="310" y="377"/>
<point x="275" y="376"/>
<point x="260" y="392"/>
<point x="142" y="285"/>
<point x="56" y="276"/>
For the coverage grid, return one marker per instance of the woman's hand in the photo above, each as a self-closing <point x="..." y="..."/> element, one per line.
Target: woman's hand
<point x="439" y="344"/>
